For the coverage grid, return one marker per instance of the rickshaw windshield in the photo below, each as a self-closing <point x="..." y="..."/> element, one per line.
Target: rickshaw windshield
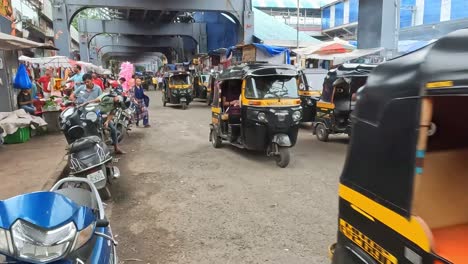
<point x="180" y="79"/>
<point x="276" y="86"/>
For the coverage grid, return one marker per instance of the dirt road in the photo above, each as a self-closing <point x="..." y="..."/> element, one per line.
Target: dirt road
<point x="182" y="201"/>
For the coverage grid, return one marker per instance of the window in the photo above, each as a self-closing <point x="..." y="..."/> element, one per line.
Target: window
<point x="326" y="18"/>
<point x="271" y="87"/>
<point x="339" y="14"/>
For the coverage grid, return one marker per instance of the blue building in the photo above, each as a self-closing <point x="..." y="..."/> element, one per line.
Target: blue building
<point x="419" y="19"/>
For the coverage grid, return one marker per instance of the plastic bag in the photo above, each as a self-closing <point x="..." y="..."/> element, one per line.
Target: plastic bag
<point x="22" y="80"/>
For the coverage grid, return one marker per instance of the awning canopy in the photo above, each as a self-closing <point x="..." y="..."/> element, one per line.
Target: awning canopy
<point x="55" y="61"/>
<point x="316" y="47"/>
<point x="9" y="42"/>
<point x="340" y="58"/>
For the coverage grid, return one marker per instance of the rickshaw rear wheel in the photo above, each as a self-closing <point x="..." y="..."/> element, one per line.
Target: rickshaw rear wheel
<point x="322" y="132"/>
<point x="215" y="139"/>
<point x="283" y="157"/>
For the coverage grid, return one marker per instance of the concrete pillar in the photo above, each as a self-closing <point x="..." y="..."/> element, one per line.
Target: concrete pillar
<point x="61" y="27"/>
<point x="380" y="28"/>
<point x="84" y="49"/>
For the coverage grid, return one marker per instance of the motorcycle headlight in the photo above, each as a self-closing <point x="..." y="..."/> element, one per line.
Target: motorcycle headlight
<point x="68" y="112"/>
<point x="91" y="116"/>
<point x="83" y="236"/>
<point x="39" y="245"/>
<point x="262" y="117"/>
<point x="309" y="101"/>
<point x="296" y="116"/>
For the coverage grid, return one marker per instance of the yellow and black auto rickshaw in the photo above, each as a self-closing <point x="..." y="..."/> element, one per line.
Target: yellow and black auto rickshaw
<point x="336" y="102"/>
<point x="310" y="91"/>
<point x="256" y="107"/>
<point x="200" y="86"/>
<point x="403" y="191"/>
<point x="178" y="88"/>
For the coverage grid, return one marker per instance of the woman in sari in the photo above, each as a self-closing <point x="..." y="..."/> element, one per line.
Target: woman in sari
<point x="139" y="97"/>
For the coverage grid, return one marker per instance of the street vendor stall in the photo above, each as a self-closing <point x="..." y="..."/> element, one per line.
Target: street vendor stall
<point x="258" y="52"/>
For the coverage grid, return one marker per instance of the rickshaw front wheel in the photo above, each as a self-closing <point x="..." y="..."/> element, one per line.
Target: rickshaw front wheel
<point x="321" y="132"/>
<point x="215" y="140"/>
<point x="184" y="105"/>
<point x="283" y="157"/>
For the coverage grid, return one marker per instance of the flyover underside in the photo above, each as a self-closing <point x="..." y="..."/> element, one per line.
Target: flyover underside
<point x="151" y="18"/>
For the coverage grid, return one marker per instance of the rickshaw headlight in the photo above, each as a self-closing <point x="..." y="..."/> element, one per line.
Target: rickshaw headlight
<point x="262" y="117"/>
<point x="296" y="116"/>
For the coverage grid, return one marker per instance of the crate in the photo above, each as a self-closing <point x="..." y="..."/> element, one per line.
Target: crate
<point x="20" y="136"/>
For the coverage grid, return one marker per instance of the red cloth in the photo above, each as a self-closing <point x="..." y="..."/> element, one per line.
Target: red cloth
<point x="44" y="81"/>
<point x="99" y="83"/>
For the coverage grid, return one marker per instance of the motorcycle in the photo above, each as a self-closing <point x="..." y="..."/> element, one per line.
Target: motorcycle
<point x="63" y="225"/>
<point x="123" y="120"/>
<point x="88" y="155"/>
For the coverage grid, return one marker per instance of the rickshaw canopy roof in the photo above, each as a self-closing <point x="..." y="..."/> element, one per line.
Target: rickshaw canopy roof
<point x="441" y="65"/>
<point x="257" y="69"/>
<point x="174" y="73"/>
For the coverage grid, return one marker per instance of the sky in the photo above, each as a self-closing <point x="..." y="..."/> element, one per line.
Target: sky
<point x="291" y="3"/>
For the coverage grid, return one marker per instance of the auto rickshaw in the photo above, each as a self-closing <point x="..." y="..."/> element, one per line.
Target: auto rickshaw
<point x="336" y="102"/>
<point x="200" y="85"/>
<point x="309" y="91"/>
<point x="256" y="107"/>
<point x="211" y="86"/>
<point x="177" y="88"/>
<point x="403" y="190"/>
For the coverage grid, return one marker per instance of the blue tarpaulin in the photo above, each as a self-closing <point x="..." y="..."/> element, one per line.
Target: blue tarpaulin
<point x="271" y="50"/>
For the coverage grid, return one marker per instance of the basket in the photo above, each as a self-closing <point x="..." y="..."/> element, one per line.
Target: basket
<point x="20" y="136"/>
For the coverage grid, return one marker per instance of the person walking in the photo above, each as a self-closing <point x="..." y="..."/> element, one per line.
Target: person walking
<point x="137" y="93"/>
<point x="97" y="81"/>
<point x="44" y="83"/>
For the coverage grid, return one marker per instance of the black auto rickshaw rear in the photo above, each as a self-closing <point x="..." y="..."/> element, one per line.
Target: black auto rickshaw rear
<point x="310" y="86"/>
<point x="403" y="191"/>
<point x="336" y="102"/>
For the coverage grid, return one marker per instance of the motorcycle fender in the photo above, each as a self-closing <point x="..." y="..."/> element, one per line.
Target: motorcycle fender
<point x="282" y="140"/>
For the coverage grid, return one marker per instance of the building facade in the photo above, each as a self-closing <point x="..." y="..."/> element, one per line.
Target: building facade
<point x="418" y="19"/>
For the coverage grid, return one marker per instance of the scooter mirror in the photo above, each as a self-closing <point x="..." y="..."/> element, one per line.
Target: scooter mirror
<point x="102" y="223"/>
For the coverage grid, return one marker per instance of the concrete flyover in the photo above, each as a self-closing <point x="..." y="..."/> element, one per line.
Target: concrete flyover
<point x="65" y="10"/>
<point x="94" y="27"/>
<point x="102" y="43"/>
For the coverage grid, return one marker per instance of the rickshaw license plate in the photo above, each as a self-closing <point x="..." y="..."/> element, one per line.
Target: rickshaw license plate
<point x="96" y="176"/>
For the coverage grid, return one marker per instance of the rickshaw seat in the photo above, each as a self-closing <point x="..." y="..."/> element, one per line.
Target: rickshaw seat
<point x="452" y="242"/>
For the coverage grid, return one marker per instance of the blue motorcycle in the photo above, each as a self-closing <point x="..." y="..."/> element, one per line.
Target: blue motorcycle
<point x="61" y="226"/>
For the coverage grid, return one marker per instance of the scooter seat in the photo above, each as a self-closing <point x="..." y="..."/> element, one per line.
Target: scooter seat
<point x="79" y="196"/>
<point x="84" y="143"/>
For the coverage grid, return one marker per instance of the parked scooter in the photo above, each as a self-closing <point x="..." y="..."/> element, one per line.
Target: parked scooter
<point x="63" y="225"/>
<point x="88" y="155"/>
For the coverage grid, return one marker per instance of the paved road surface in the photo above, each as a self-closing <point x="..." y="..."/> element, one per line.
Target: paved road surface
<point x="182" y="201"/>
